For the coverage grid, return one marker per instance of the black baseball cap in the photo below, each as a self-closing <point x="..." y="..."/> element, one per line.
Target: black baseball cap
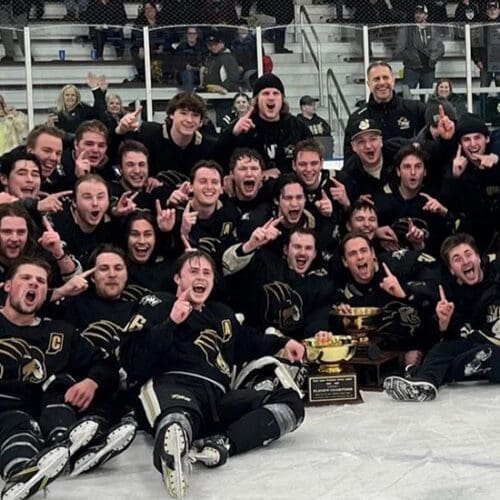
<point x="360" y="126"/>
<point x="307" y="100"/>
<point x="213" y="37"/>
<point x="421" y="8"/>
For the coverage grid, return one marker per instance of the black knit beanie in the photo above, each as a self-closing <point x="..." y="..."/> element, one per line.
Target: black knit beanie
<point x="268" y="81"/>
<point x="470" y="123"/>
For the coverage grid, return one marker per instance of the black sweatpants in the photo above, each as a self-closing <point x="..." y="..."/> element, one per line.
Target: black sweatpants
<point x="459" y="360"/>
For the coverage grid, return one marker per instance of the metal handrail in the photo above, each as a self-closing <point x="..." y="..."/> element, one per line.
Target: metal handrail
<point x="332" y="79"/>
<point x="317" y="58"/>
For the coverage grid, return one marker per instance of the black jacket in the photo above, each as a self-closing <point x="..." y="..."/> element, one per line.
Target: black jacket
<point x="397" y="118"/>
<point x="273" y="140"/>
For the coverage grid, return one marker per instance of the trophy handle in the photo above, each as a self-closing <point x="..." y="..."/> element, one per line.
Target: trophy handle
<point x="351" y="353"/>
<point x="314" y="359"/>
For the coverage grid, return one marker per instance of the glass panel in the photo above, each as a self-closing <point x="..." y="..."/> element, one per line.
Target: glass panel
<point x="65" y="55"/>
<point x="216" y="61"/>
<point x="335" y="52"/>
<point x="420" y="56"/>
<point x="485" y="52"/>
<point x="13" y="109"/>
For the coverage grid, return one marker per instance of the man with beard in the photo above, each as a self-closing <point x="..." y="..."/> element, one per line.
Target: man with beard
<point x="84" y="224"/>
<point x="468" y="316"/>
<point x="100" y="311"/>
<point x="17" y="239"/>
<point x="472" y="180"/>
<point x="413" y="211"/>
<point x="183" y="350"/>
<point x="35" y="353"/>
<point x="177" y="144"/>
<point x="267" y="127"/>
<point x="284" y="291"/>
<point x="403" y="302"/>
<point x="393" y="115"/>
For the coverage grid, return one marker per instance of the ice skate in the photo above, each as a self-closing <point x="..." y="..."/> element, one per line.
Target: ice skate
<point x="403" y="389"/>
<point x="212" y="451"/>
<point x="115" y="441"/>
<point x="37" y="473"/>
<point x="81" y="433"/>
<point x="173" y="462"/>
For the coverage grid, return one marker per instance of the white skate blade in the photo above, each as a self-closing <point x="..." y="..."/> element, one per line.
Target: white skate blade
<point x="116" y="442"/>
<point x="81" y="435"/>
<point x="175" y="445"/>
<point x="49" y="467"/>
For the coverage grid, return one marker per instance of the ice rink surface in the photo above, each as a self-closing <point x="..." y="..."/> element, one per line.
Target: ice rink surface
<point x="382" y="449"/>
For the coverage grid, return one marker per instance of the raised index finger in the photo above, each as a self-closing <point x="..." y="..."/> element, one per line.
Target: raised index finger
<point x="48" y="226"/>
<point x="137" y="112"/>
<point x="88" y="272"/>
<point x="441" y="111"/>
<point x="459" y="151"/>
<point x="61" y="194"/>
<point x="277" y="221"/>
<point x="386" y="269"/>
<point x="425" y="195"/>
<point x="442" y="295"/>
<point x="249" y="112"/>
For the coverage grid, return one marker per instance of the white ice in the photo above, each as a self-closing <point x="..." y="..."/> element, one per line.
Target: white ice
<point x="382" y="449"/>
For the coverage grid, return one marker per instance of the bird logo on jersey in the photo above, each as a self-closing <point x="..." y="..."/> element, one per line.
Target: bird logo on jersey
<point x="104" y="335"/>
<point x="21" y="361"/>
<point x="283" y="306"/>
<point x="210" y="343"/>
<point x="397" y="313"/>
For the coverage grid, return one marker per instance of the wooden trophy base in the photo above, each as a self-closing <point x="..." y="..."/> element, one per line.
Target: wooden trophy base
<point x="328" y="388"/>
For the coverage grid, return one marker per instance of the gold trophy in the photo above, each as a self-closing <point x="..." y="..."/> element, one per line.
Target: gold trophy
<point x="359" y="323"/>
<point x="331" y="381"/>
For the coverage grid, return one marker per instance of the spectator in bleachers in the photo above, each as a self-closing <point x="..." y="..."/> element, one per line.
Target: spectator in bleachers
<point x="104" y="13"/>
<point x="71" y="111"/>
<point x="75" y="9"/>
<point x="13" y="13"/>
<point x="244" y="48"/>
<point x="13" y="127"/>
<point x="466" y="11"/>
<point x="420" y="47"/>
<point x="160" y="42"/>
<point x="485" y="46"/>
<point x="395" y="116"/>
<point x="444" y="89"/>
<point x="189" y="55"/>
<point x="317" y="125"/>
<point x="437" y="11"/>
<point x="220" y="74"/>
<point x="241" y="103"/>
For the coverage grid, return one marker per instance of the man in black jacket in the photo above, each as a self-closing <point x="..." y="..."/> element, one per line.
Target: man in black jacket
<point x="267" y="127"/>
<point x="468" y="320"/>
<point x="183" y="350"/>
<point x="36" y="355"/>
<point x="395" y="116"/>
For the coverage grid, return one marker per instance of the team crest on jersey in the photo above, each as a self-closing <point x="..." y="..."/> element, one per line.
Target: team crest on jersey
<point x="283" y="305"/>
<point x="150" y="300"/>
<point x="28" y="361"/>
<point x="289" y="150"/>
<point x="56" y="343"/>
<point x="227" y="229"/>
<point x="403" y="123"/>
<point x="209" y="341"/>
<point x="398" y="313"/>
<point x="104" y="335"/>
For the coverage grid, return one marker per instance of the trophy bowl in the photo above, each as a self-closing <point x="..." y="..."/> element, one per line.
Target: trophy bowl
<point x="329" y="355"/>
<point x="359" y="323"/>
